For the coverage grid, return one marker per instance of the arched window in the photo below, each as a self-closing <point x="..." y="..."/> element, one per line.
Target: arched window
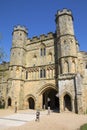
<point x="42" y="73"/>
<point x="73" y="66"/>
<point x="26" y="74"/>
<point x="43" y="51"/>
<point x="66" y="67"/>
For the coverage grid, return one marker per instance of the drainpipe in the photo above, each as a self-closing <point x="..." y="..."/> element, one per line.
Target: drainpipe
<point x="76" y="99"/>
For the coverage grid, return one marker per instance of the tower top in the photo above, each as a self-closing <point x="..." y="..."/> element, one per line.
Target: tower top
<point x="64" y="12"/>
<point x="20" y="28"/>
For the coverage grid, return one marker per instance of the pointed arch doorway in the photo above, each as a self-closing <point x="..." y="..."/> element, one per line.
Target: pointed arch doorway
<point x="50" y="99"/>
<point x="9" y="101"/>
<point x="31" y="103"/>
<point x="67" y="103"/>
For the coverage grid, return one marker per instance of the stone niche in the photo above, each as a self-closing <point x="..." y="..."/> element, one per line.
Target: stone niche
<point x="66" y="86"/>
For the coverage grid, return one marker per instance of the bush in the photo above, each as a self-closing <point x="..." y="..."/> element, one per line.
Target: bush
<point x="83" y="127"/>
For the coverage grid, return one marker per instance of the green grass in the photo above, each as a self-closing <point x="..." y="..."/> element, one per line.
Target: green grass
<point x="83" y="127"/>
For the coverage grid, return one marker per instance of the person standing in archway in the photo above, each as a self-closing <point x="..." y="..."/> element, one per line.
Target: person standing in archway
<point x="48" y="105"/>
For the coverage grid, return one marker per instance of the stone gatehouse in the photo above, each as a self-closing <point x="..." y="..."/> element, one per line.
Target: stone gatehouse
<point x="48" y="70"/>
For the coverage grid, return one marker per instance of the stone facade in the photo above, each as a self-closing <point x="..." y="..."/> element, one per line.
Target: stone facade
<point x="49" y="70"/>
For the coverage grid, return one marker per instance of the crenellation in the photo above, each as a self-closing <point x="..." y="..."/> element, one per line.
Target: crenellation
<point x="50" y="35"/>
<point x="21" y="28"/>
<point x="34" y="39"/>
<point x="42" y="37"/>
<point x="4" y="66"/>
<point x="28" y="41"/>
<point x="64" y="11"/>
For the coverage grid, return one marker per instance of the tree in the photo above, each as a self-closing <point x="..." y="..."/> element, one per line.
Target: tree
<point x="2" y="53"/>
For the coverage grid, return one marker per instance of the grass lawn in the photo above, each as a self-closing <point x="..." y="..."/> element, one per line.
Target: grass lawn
<point x="83" y="127"/>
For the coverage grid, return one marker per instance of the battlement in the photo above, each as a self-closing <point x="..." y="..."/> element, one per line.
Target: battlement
<point x="42" y="37"/>
<point x="4" y="66"/>
<point x="63" y="12"/>
<point x="34" y="39"/>
<point x="20" y="28"/>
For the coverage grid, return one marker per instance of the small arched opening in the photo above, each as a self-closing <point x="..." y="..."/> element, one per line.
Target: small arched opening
<point x="67" y="103"/>
<point x="0" y="104"/>
<point x="66" y="65"/>
<point x="3" y="103"/>
<point x="31" y="103"/>
<point x="9" y="101"/>
<point x="73" y="67"/>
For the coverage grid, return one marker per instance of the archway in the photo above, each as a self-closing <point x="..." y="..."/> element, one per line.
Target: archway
<point x="31" y="103"/>
<point x="67" y="103"/>
<point x="50" y="99"/>
<point x="3" y="103"/>
<point x="9" y="101"/>
<point x="0" y="104"/>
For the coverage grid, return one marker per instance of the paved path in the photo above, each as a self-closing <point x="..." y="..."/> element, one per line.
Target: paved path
<point x="16" y="119"/>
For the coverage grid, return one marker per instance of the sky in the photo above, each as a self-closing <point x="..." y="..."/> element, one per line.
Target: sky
<point x="39" y="17"/>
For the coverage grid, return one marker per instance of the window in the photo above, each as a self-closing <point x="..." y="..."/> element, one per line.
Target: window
<point x="66" y="66"/>
<point x="42" y="51"/>
<point x="42" y="73"/>
<point x="26" y="75"/>
<point x="73" y="66"/>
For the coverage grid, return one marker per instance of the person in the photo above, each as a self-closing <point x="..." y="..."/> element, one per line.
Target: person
<point x="49" y="102"/>
<point x="49" y="110"/>
<point x="37" y="115"/>
<point x="15" y="107"/>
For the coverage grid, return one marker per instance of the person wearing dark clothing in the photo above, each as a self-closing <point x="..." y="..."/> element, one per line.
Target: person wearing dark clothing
<point x="37" y="115"/>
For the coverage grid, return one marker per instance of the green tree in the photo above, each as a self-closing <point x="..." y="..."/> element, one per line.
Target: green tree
<point x="2" y="53"/>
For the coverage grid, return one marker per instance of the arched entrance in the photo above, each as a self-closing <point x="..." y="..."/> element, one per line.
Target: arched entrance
<point x="50" y="99"/>
<point x="2" y="103"/>
<point x="9" y="101"/>
<point x="31" y="103"/>
<point x="67" y="103"/>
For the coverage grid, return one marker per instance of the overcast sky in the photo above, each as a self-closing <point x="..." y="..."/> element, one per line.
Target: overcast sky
<point x="39" y="17"/>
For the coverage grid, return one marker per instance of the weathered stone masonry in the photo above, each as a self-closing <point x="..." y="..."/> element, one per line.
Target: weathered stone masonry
<point x="49" y="70"/>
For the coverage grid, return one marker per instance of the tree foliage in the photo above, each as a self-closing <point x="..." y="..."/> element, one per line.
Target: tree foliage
<point x="83" y="127"/>
<point x="2" y="53"/>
